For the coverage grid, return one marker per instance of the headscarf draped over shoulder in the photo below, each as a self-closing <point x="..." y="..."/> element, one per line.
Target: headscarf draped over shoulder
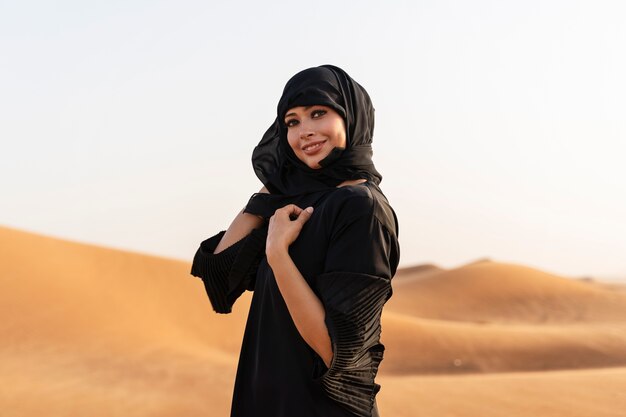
<point x="290" y="180"/>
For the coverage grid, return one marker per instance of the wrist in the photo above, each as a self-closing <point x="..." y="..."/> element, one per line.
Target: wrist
<point x="276" y="253"/>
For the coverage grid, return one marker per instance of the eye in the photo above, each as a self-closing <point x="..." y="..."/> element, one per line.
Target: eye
<point x="317" y="113"/>
<point x="291" y="123"/>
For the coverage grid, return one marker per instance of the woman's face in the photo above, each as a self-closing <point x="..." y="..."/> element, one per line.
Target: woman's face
<point x="313" y="131"/>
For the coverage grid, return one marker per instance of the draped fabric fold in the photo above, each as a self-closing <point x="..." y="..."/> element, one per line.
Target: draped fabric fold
<point x="226" y="275"/>
<point x="277" y="166"/>
<point x="353" y="304"/>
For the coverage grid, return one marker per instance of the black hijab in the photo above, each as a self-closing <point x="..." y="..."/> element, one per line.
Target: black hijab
<point x="288" y="179"/>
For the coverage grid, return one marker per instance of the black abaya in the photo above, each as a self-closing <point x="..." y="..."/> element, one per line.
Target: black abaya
<point x="347" y="252"/>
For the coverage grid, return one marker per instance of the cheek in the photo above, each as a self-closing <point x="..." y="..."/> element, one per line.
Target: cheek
<point x="340" y="134"/>
<point x="342" y="140"/>
<point x="292" y="139"/>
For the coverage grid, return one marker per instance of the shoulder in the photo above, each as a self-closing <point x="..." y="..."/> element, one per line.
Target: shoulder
<point x="357" y="199"/>
<point x="353" y="201"/>
<point x="363" y="200"/>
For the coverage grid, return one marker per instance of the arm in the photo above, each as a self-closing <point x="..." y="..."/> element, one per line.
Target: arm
<point x="305" y="308"/>
<point x="360" y="261"/>
<point x="227" y="262"/>
<point x="241" y="226"/>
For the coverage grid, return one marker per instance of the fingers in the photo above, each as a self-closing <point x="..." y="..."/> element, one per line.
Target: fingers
<point x="305" y="215"/>
<point x="285" y="225"/>
<point x="289" y="209"/>
<point x="295" y="213"/>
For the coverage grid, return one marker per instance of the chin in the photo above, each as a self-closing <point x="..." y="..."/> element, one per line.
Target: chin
<point x="315" y="163"/>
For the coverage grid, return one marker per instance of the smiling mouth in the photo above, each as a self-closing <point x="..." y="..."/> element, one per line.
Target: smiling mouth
<point x="312" y="148"/>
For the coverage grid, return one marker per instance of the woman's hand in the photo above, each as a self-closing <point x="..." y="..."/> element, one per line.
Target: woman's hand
<point x="305" y="308"/>
<point x="283" y="231"/>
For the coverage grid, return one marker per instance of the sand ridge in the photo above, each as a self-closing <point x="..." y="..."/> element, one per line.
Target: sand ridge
<point x="100" y="332"/>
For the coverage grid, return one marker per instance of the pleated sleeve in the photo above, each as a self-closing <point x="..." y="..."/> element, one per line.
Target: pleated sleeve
<point x="227" y="274"/>
<point x="361" y="260"/>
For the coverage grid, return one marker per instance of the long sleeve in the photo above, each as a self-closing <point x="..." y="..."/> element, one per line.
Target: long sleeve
<point x="228" y="274"/>
<point x="361" y="260"/>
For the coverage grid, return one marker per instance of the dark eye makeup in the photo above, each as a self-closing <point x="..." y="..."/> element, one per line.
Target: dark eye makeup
<point x="314" y="115"/>
<point x="318" y="113"/>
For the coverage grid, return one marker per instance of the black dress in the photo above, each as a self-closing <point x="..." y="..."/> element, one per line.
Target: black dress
<point x="348" y="252"/>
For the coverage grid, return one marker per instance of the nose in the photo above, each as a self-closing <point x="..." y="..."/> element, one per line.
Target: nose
<point x="305" y="132"/>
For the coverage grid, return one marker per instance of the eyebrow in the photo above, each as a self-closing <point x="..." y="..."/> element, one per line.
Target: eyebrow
<point x="305" y="109"/>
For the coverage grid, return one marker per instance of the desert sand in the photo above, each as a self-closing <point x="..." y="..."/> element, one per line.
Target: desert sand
<point x="93" y="331"/>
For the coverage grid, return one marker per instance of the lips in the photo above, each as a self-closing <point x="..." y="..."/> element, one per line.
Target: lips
<point x="313" y="147"/>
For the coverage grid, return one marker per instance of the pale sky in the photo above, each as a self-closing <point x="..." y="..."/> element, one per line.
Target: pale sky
<point x="500" y="125"/>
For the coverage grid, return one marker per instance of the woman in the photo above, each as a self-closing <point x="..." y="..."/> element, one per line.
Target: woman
<point x="318" y="246"/>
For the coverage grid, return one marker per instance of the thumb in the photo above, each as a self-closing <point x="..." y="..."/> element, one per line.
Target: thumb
<point x="305" y="215"/>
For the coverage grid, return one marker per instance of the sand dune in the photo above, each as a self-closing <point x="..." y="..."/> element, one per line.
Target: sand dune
<point x="424" y="346"/>
<point x="582" y="393"/>
<point x="65" y="292"/>
<point x="497" y="292"/>
<point x="495" y="317"/>
<point x="88" y="330"/>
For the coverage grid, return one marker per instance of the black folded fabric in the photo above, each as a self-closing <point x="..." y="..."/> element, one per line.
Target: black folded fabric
<point x="353" y="304"/>
<point x="228" y="274"/>
<point x="277" y="166"/>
